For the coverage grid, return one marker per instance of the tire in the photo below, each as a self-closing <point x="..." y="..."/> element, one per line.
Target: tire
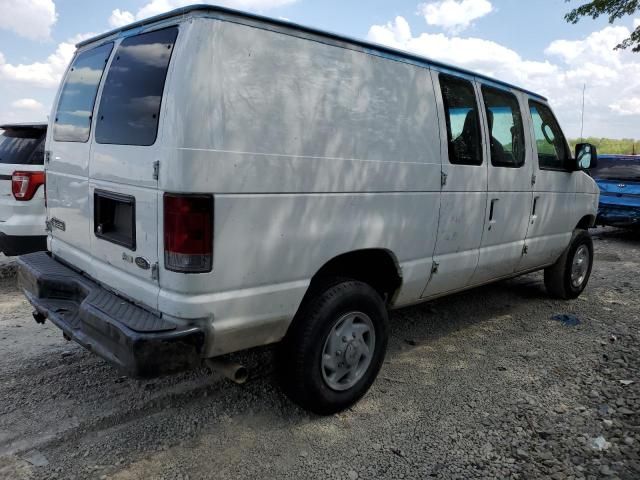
<point x="311" y="366"/>
<point x="558" y="278"/>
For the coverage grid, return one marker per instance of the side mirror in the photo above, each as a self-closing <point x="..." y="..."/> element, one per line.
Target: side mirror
<point x="586" y="156"/>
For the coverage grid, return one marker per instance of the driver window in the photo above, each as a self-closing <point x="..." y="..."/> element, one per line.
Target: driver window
<point x="553" y="152"/>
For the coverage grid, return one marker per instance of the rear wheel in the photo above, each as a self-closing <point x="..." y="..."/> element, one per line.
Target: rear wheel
<point x="568" y="277"/>
<point x="335" y="346"/>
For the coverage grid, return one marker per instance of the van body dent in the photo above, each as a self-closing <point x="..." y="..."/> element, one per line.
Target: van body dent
<point x="213" y="174"/>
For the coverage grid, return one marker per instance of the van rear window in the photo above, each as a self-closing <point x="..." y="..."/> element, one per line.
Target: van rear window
<point x="78" y="96"/>
<point x="22" y="146"/>
<point x="130" y="101"/>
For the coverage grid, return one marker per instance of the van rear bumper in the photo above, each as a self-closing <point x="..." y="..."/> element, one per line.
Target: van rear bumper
<point x="12" y="245"/>
<point x="136" y="341"/>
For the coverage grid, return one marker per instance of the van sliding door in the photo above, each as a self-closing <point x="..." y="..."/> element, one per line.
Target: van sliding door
<point x="464" y="185"/>
<point x="509" y="200"/>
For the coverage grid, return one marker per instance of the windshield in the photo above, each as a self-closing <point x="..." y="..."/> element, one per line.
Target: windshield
<point x="617" y="168"/>
<point x="17" y="146"/>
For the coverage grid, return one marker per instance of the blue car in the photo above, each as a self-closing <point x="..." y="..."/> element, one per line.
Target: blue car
<point x="618" y="177"/>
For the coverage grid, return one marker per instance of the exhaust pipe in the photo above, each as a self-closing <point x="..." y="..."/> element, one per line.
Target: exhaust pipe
<point x="38" y="317"/>
<point x="233" y="371"/>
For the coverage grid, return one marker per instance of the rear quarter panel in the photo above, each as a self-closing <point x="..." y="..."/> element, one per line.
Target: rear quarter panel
<point x="311" y="151"/>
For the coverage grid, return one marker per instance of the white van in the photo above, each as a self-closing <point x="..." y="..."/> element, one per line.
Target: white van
<point x="219" y="181"/>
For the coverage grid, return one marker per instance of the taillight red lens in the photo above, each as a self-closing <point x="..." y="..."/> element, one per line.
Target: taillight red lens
<point x="25" y="184"/>
<point x="188" y="233"/>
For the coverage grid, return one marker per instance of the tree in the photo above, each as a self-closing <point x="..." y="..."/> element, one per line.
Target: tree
<point x="614" y="9"/>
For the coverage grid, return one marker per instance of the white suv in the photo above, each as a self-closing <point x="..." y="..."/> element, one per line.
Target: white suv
<point x="22" y="198"/>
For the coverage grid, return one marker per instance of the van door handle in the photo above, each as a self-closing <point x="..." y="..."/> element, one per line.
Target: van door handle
<point x="492" y="209"/>
<point x="533" y="210"/>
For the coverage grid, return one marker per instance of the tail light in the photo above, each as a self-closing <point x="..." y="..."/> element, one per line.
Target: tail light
<point x="25" y="184"/>
<point x="188" y="233"/>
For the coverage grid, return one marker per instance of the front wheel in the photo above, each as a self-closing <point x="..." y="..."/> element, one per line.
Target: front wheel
<point x="335" y="347"/>
<point x="568" y="277"/>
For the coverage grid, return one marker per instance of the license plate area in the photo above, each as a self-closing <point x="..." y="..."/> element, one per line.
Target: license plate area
<point x="114" y="218"/>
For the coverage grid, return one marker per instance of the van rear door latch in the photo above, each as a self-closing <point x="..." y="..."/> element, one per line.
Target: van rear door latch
<point x="155" y="271"/>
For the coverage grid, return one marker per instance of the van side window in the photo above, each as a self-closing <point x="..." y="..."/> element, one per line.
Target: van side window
<point x="463" y="124"/>
<point x="130" y="101"/>
<point x="505" y="128"/>
<point x="75" y="106"/>
<point x="553" y="152"/>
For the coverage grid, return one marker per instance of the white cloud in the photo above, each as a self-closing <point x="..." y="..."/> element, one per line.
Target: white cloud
<point x="612" y="76"/>
<point x="636" y="22"/>
<point x="156" y="7"/>
<point x="46" y="73"/>
<point x="629" y="106"/>
<point x="31" y="19"/>
<point x="454" y="15"/>
<point x="120" y="18"/>
<point x="597" y="46"/>
<point x="27" y="104"/>
<point x="477" y="54"/>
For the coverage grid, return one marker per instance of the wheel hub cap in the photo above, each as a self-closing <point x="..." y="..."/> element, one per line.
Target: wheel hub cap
<point x="579" y="266"/>
<point x="348" y="351"/>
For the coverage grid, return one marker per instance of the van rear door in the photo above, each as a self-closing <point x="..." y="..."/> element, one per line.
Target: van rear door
<point x="69" y="148"/>
<point x="102" y="187"/>
<point x="123" y="173"/>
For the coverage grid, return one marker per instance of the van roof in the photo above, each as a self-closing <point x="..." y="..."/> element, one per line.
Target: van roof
<point x="392" y="52"/>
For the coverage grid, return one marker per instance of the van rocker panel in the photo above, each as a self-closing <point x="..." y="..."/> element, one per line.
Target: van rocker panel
<point x="136" y="341"/>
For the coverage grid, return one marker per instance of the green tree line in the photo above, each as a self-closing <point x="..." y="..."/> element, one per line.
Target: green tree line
<point x="624" y="146"/>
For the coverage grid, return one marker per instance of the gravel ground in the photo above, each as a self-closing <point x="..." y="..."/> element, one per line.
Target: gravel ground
<point x="483" y="384"/>
<point x="7" y="266"/>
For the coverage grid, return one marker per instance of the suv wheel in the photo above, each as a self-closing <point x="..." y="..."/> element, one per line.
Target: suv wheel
<point x="335" y="347"/>
<point x="568" y="277"/>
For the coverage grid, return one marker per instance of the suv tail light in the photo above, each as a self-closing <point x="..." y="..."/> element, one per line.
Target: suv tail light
<point x="188" y="233"/>
<point x="25" y="184"/>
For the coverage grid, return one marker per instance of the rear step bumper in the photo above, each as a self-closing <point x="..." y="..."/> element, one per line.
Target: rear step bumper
<point x="136" y="341"/>
<point x="12" y="245"/>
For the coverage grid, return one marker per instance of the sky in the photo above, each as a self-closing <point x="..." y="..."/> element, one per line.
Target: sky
<point x="527" y="43"/>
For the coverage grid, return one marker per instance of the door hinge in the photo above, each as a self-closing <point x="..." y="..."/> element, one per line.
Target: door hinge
<point x="533" y="179"/>
<point x="525" y="249"/>
<point x="156" y="170"/>
<point x="47" y="156"/>
<point x="434" y="267"/>
<point x="155" y="271"/>
<point x="443" y="179"/>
